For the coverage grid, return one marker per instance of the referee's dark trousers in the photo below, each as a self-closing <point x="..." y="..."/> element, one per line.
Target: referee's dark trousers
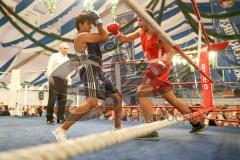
<point x="58" y="91"/>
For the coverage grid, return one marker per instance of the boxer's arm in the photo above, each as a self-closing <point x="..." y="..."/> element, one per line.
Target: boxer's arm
<point x="86" y="37"/>
<point x="129" y="37"/>
<point x="170" y="52"/>
<point x="114" y="28"/>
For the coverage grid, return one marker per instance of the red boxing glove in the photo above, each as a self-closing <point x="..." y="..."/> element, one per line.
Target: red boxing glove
<point x="114" y="28"/>
<point x="156" y="69"/>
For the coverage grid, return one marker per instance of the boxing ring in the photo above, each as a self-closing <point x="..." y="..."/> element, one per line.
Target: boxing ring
<point x="175" y="140"/>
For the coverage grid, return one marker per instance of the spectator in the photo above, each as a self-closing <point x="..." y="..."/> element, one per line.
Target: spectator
<point x="135" y="115"/>
<point x="108" y="114"/>
<point x="212" y="117"/>
<point x="5" y="112"/>
<point x="112" y="117"/>
<point x="124" y="114"/>
<point x="128" y="114"/>
<point x="157" y="114"/>
<point x="44" y="112"/>
<point x="177" y="115"/>
<point x="26" y="111"/>
<point x="1" y="110"/>
<point x="235" y="124"/>
<point x="39" y="111"/>
<point x="165" y="114"/>
<point x="141" y="119"/>
<point x="233" y="116"/>
<point x="238" y="116"/>
<point x="12" y="111"/>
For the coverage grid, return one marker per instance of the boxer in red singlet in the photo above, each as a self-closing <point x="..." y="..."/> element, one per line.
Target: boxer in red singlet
<point x="158" y="55"/>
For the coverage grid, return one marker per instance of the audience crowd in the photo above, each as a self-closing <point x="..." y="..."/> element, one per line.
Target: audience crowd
<point x="220" y="116"/>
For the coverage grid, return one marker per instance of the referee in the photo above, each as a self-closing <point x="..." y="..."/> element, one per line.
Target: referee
<point x="57" y="83"/>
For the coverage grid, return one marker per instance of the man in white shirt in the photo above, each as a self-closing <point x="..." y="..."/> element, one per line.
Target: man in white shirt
<point x="57" y="73"/>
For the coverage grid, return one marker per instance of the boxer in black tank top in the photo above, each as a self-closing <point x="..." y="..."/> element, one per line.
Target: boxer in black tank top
<point x="96" y="85"/>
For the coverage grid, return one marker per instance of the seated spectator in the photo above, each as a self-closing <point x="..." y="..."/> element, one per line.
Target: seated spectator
<point x="124" y="114"/>
<point x="5" y="112"/>
<point x="232" y="116"/>
<point x="44" y="112"/>
<point x="235" y="116"/>
<point x="33" y="115"/>
<point x="170" y="111"/>
<point x="12" y="111"/>
<point x="238" y="116"/>
<point x="108" y="114"/>
<point x="135" y="115"/>
<point x="165" y="113"/>
<point x="226" y="116"/>
<point x="1" y="110"/>
<point x="39" y="111"/>
<point x="214" y="115"/>
<point x="157" y="114"/>
<point x="177" y="115"/>
<point x="112" y="116"/>
<point x="141" y="119"/>
<point x="128" y="114"/>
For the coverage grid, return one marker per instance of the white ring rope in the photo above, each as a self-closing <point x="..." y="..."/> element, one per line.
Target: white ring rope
<point x="87" y="144"/>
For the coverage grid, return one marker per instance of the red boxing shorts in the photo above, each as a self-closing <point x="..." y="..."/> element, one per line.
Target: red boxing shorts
<point x="156" y="75"/>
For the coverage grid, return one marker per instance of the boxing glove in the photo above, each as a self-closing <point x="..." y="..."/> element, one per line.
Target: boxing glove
<point x="94" y="17"/>
<point x="156" y="69"/>
<point x="114" y="28"/>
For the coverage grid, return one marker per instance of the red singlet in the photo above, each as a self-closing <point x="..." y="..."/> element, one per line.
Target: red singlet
<point x="150" y="46"/>
<point x="151" y="50"/>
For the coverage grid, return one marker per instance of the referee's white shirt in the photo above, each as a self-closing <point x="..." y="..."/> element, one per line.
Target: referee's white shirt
<point x="54" y="62"/>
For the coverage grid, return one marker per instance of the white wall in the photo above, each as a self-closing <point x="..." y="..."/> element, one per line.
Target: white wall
<point x="4" y="96"/>
<point x="31" y="97"/>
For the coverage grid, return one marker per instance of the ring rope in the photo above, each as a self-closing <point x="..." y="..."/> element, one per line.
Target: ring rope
<point x="87" y="144"/>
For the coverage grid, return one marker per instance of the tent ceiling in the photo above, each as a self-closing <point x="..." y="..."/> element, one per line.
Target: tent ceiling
<point x="62" y="23"/>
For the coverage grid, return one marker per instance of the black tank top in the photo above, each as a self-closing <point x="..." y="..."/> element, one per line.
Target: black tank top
<point x="94" y="52"/>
